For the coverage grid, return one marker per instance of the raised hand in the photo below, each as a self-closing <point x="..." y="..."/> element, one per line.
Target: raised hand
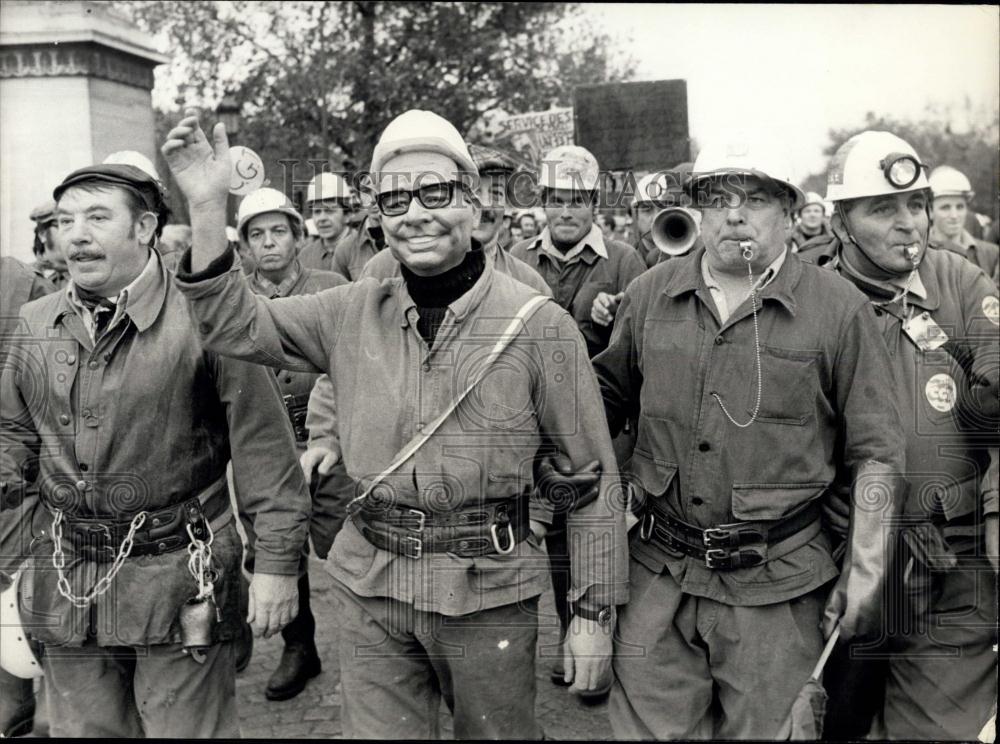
<point x="200" y="168"/>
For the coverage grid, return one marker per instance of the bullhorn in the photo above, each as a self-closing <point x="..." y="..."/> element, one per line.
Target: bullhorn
<point x="674" y="230"/>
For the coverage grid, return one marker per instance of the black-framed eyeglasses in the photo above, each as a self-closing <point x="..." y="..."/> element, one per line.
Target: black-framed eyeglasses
<point x="901" y="170"/>
<point x="432" y="196"/>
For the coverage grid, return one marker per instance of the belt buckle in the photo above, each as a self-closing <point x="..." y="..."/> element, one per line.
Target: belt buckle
<point x="418" y="550"/>
<point x="421" y="516"/>
<point x="715" y="536"/>
<point x="716" y="558"/>
<point x="646" y="528"/>
<point x="494" y="536"/>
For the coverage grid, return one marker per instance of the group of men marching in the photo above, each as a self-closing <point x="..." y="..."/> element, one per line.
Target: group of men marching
<point x="719" y="460"/>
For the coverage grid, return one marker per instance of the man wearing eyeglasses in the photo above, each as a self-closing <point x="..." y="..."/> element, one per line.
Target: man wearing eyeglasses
<point x="751" y="375"/>
<point x="437" y="569"/>
<point x="939" y="314"/>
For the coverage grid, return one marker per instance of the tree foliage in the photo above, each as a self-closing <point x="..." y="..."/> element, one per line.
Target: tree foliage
<point x="320" y="80"/>
<point x="974" y="151"/>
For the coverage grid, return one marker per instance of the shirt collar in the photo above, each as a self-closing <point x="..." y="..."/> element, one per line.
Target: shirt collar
<point x="965" y="241"/>
<point x="593" y="240"/>
<point x="141" y="300"/>
<point x="687" y="277"/>
<point x="262" y="285"/>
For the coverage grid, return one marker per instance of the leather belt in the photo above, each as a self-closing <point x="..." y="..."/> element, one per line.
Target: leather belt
<point x="482" y="530"/>
<point x="297" y="406"/>
<point x="164" y="531"/>
<point x="728" y="547"/>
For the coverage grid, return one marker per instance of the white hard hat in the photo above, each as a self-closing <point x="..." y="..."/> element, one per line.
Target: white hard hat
<point x="948" y="181"/>
<point x="328" y="186"/>
<point x="651" y="188"/>
<point x="133" y="158"/>
<point x="263" y="201"/>
<point x="872" y="164"/>
<point x="812" y="198"/>
<point x="16" y="653"/>
<point x="423" y="132"/>
<point x="761" y="160"/>
<point x="569" y="167"/>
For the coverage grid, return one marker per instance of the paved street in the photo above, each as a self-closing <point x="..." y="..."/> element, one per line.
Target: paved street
<point x="315" y="713"/>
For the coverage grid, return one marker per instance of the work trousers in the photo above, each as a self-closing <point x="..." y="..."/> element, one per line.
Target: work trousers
<point x="156" y="691"/>
<point x="942" y="681"/>
<point x="397" y="663"/>
<point x="688" y="667"/>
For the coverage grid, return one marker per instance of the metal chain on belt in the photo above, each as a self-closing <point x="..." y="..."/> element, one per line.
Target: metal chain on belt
<point x="747" y="256"/>
<point x="103" y="584"/>
<point x="200" y="562"/>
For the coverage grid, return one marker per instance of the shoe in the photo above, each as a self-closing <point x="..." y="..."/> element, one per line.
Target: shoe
<point x="598" y="696"/>
<point x="21" y="721"/>
<point x="244" y="647"/>
<point x="298" y="665"/>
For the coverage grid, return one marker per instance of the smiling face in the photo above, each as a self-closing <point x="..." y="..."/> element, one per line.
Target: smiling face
<point x="570" y="215"/>
<point x="428" y="240"/>
<point x="330" y="218"/>
<point x="105" y="236"/>
<point x="949" y="215"/>
<point x="890" y="228"/>
<point x="272" y="242"/>
<point x="759" y="214"/>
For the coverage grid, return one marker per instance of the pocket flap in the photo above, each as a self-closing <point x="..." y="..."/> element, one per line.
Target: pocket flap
<point x="654" y="475"/>
<point x="769" y="501"/>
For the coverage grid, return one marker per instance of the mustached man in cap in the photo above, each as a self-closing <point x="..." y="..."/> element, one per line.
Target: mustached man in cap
<point x="939" y="314"/>
<point x="124" y="423"/>
<point x="446" y="381"/>
<point x="754" y="378"/>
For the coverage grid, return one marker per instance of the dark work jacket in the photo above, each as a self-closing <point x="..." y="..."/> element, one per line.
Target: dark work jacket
<point x="826" y="380"/>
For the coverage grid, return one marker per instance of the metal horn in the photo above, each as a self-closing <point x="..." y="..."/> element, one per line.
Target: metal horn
<point x="674" y="230"/>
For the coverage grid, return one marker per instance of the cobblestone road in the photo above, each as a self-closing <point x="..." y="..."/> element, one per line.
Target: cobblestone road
<point x="315" y="713"/>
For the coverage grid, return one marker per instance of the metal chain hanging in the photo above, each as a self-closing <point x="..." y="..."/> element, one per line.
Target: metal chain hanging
<point x="103" y="584"/>
<point x="747" y="256"/>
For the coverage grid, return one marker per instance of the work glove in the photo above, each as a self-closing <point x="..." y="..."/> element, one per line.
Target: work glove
<point x="857" y="597"/>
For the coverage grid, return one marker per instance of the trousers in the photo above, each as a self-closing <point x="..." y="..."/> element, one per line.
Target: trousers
<point x="156" y="691"/>
<point x="398" y="663"/>
<point x="688" y="667"/>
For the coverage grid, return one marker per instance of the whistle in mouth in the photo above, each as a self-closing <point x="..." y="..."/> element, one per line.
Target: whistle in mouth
<point x="911" y="252"/>
<point x="747" y="247"/>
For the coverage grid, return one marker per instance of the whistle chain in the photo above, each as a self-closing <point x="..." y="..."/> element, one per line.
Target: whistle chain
<point x="59" y="562"/>
<point x="747" y="256"/>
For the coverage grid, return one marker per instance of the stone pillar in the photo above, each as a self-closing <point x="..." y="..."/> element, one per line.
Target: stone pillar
<point x="75" y="82"/>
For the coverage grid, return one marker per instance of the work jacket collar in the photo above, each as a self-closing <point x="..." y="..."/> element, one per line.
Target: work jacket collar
<point x="689" y="278"/>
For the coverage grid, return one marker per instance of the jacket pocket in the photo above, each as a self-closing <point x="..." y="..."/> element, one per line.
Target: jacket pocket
<point x="653" y="475"/>
<point x="758" y="502"/>
<point x="789" y="384"/>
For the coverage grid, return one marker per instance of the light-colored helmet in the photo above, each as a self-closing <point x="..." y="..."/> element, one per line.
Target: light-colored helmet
<point x="328" y="186"/>
<point x="652" y="188"/>
<point x="812" y="198"/>
<point x="423" y="131"/>
<point x="743" y="158"/>
<point x="263" y="201"/>
<point x="569" y="167"/>
<point x="948" y="181"/>
<point x="17" y="656"/>
<point x="133" y="158"/>
<point x="872" y="164"/>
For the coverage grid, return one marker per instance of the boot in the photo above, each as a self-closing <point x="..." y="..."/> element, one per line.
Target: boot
<point x="298" y="665"/>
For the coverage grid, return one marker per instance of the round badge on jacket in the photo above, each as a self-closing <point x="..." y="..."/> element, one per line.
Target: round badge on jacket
<point x="991" y="309"/>
<point x="941" y="392"/>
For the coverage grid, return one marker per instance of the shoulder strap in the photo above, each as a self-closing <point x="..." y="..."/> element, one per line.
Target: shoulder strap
<point x="512" y="331"/>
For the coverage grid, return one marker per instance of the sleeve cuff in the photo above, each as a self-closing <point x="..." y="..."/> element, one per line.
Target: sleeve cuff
<point x="597" y="596"/>
<point x="218" y="267"/>
<point x="277" y="566"/>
